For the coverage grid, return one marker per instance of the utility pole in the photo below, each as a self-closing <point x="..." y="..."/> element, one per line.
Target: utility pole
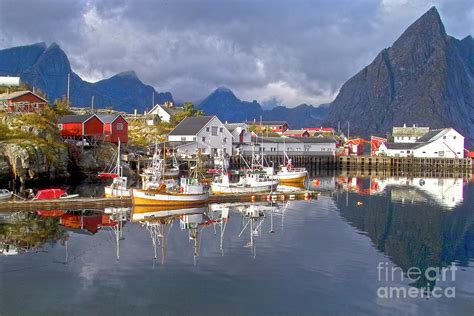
<point x="68" y="85"/>
<point x="348" y="130"/>
<point x="92" y="104"/>
<point x="153" y="99"/>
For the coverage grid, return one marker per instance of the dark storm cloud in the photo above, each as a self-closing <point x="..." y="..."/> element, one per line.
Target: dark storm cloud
<point x="288" y="51"/>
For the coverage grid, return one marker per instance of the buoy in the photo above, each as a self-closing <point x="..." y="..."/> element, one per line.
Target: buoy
<point x="283" y="197"/>
<point x="359" y="203"/>
<point x="274" y="197"/>
<point x="316" y="182"/>
<point x="292" y="196"/>
<point x="269" y="197"/>
<point x="253" y="198"/>
<point x="307" y="196"/>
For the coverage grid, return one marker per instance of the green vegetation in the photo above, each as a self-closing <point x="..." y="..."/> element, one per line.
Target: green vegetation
<point x="188" y="110"/>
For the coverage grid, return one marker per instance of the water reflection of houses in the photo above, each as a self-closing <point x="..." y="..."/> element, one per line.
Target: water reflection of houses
<point x="401" y="230"/>
<point x="446" y="192"/>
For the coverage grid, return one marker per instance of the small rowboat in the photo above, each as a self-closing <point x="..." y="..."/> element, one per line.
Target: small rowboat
<point x="5" y="194"/>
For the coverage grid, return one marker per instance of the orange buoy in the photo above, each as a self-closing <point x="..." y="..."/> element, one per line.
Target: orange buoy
<point x="307" y="196"/>
<point x="316" y="182"/>
<point x="253" y="198"/>
<point x="283" y="197"/>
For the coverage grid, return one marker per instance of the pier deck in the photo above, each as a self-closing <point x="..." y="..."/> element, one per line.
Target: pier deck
<point x="82" y="203"/>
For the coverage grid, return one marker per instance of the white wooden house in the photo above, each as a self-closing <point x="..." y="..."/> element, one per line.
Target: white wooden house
<point x="442" y="143"/>
<point x="165" y="111"/>
<point x="206" y="133"/>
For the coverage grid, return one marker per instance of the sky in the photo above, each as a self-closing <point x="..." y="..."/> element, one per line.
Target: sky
<point x="273" y="51"/>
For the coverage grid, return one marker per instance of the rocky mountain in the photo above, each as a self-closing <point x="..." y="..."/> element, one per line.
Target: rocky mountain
<point x="426" y="78"/>
<point x="47" y="68"/>
<point x="223" y="103"/>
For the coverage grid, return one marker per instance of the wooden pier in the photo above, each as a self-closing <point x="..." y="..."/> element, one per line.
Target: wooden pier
<point x="95" y="203"/>
<point x="353" y="163"/>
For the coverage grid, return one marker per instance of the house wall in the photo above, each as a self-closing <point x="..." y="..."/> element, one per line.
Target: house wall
<point x="162" y="114"/>
<point x="93" y="127"/>
<point x="70" y="129"/>
<point x="450" y="145"/>
<point x="27" y="103"/>
<point x="116" y="133"/>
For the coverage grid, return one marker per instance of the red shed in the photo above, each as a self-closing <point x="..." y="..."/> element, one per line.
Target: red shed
<point x="76" y="126"/>
<point x="22" y="101"/>
<point x="115" y="127"/>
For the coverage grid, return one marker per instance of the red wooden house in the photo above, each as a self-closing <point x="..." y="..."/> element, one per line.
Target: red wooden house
<point x="115" y="127"/>
<point x="21" y="102"/>
<point x="81" y="126"/>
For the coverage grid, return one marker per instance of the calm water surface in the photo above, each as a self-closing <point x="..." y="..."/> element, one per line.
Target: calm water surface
<point x="299" y="257"/>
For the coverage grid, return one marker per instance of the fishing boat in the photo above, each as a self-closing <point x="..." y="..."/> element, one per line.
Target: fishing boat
<point x="118" y="188"/>
<point x="157" y="191"/>
<point x="291" y="175"/>
<point x="156" y="162"/>
<point x="251" y="180"/>
<point x="5" y="195"/>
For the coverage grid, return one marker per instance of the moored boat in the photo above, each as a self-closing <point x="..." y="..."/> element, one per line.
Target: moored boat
<point x="251" y="182"/>
<point x="5" y="195"/>
<point x="118" y="188"/>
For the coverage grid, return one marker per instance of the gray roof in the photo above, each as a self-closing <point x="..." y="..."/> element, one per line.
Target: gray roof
<point x="267" y="123"/>
<point x="12" y="95"/>
<point x="191" y="125"/>
<point x="108" y="118"/>
<point x="405" y="146"/>
<point x="431" y="135"/>
<point x="74" y="118"/>
<point x="232" y="126"/>
<point x="172" y="110"/>
<point x="410" y="131"/>
<point x="315" y="140"/>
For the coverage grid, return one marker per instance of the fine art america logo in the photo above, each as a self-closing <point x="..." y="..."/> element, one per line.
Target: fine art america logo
<point x="415" y="275"/>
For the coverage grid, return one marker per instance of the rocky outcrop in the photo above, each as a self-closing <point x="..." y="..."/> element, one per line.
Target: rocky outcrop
<point x="30" y="162"/>
<point x="425" y="78"/>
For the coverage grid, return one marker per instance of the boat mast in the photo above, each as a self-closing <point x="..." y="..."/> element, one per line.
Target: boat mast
<point x="119" y="168"/>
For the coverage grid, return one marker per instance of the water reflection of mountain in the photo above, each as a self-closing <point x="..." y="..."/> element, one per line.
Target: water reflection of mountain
<point x="421" y="235"/>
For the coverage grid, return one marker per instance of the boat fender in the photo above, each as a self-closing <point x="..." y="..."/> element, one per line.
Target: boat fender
<point x="422" y="182"/>
<point x="253" y="198"/>
<point x="292" y="197"/>
<point x="283" y="197"/>
<point x="269" y="197"/>
<point x="307" y="196"/>
<point x="316" y="182"/>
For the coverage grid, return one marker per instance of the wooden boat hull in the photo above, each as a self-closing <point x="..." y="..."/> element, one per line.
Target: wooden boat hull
<point x="291" y="177"/>
<point x="143" y="197"/>
<point x="221" y="189"/>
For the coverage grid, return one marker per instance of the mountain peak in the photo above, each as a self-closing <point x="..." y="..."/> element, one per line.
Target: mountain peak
<point x="127" y="74"/>
<point x="223" y="89"/>
<point x="428" y="27"/>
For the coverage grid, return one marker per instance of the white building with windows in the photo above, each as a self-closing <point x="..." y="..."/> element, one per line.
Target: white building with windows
<point x="315" y="146"/>
<point x="165" y="111"/>
<point x="240" y="132"/>
<point x="406" y="134"/>
<point x="206" y="133"/>
<point x="442" y="143"/>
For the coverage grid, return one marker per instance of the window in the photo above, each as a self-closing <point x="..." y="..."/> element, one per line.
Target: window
<point x="408" y="151"/>
<point x="119" y="126"/>
<point x="204" y="139"/>
<point x="207" y="129"/>
<point x="444" y="137"/>
<point x="60" y="127"/>
<point x="214" y="131"/>
<point x="454" y="137"/>
<point x="221" y="129"/>
<point x="183" y="138"/>
<point x="225" y="139"/>
<point x="194" y="138"/>
<point x="441" y="153"/>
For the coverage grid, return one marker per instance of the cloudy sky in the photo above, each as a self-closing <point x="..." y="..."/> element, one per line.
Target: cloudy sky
<point x="288" y="52"/>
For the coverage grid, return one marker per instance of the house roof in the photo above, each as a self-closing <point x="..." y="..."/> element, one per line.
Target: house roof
<point x="108" y="118"/>
<point x="268" y="123"/>
<point x="295" y="131"/>
<point x="232" y="126"/>
<point x="410" y="131"/>
<point x="403" y="146"/>
<point x="172" y="110"/>
<point x="191" y="125"/>
<point x="75" y="118"/>
<point x="319" y="129"/>
<point x="13" y="95"/>
<point x="315" y="140"/>
<point x="432" y="135"/>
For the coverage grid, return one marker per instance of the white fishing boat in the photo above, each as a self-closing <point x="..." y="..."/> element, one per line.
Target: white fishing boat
<point x="250" y="182"/>
<point x="5" y="195"/>
<point x="289" y="174"/>
<point x="159" y="163"/>
<point x="118" y="188"/>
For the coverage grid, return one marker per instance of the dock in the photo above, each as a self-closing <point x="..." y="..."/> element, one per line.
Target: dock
<point x="95" y="203"/>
